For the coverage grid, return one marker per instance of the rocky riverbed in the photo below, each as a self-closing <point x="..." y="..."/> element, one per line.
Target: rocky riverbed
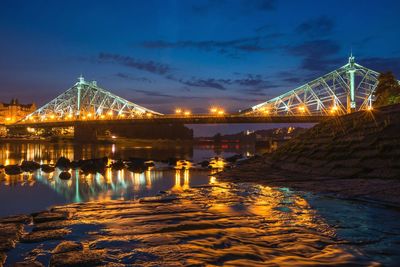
<point x="218" y="224"/>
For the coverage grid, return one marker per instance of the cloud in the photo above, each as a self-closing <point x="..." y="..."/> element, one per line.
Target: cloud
<point x="316" y="27"/>
<point x="208" y="83"/>
<point x="316" y="48"/>
<point x="249" y="44"/>
<point x="153" y="93"/>
<point x="126" y="76"/>
<point x="148" y="66"/>
<point x="317" y="55"/>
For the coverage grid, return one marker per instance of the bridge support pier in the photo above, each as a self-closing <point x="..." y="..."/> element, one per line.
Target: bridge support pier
<point x="85" y="133"/>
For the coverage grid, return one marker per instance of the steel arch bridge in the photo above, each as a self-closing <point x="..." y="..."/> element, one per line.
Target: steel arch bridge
<point x="344" y="90"/>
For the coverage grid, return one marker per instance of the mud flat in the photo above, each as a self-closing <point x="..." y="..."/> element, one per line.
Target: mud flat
<point x="353" y="156"/>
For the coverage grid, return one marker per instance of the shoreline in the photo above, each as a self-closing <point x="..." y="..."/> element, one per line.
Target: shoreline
<point x="381" y="191"/>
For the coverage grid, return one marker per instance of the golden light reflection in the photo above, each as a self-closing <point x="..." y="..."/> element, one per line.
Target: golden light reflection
<point x="186" y="179"/>
<point x="177" y="186"/>
<point x="183" y="164"/>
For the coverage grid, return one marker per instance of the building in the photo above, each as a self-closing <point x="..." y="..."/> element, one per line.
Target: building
<point x="14" y="111"/>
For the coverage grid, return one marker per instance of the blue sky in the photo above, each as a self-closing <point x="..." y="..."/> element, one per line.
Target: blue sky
<point x="191" y="54"/>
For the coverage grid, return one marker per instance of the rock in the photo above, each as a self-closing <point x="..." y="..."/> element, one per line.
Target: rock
<point x="28" y="264"/>
<point x="137" y="169"/>
<point x="3" y="258"/>
<point x="93" y="165"/>
<point x="9" y="234"/>
<point x="118" y="165"/>
<point x="47" y="168"/>
<point x="159" y="199"/>
<point x="64" y="175"/>
<point x="47" y="216"/>
<point x="204" y="163"/>
<point x="29" y="166"/>
<point x="13" y="169"/>
<point x="234" y="158"/>
<point x="7" y="243"/>
<point x="16" y="219"/>
<point x="149" y="164"/>
<point x="172" y="161"/>
<point x="40" y="236"/>
<point x="67" y="246"/>
<point x="75" y="164"/>
<point x="63" y="163"/>
<point x="77" y="258"/>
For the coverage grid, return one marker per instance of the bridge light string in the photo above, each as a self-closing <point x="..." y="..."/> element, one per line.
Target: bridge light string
<point x="217" y="111"/>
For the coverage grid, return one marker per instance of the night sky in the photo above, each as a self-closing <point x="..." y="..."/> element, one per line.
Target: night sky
<point x="194" y="54"/>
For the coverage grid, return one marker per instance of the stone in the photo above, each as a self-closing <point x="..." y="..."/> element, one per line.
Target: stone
<point x="3" y="258"/>
<point x="29" y="166"/>
<point x="63" y="163"/>
<point x="12" y="169"/>
<point x="47" y="216"/>
<point x="64" y="175"/>
<point x="77" y="258"/>
<point x="9" y="234"/>
<point x="39" y="236"/>
<point x="16" y="219"/>
<point x="67" y="246"/>
<point x="28" y="264"/>
<point x="47" y="168"/>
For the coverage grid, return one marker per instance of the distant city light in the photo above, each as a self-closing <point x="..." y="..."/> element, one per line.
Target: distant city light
<point x="178" y="111"/>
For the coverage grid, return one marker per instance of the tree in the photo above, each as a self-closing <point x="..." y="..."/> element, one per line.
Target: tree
<point x="387" y="91"/>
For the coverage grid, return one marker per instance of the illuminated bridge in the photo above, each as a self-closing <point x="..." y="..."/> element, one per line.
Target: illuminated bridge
<point x="344" y="90"/>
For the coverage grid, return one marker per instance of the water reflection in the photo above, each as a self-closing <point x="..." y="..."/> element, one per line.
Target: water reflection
<point x="112" y="185"/>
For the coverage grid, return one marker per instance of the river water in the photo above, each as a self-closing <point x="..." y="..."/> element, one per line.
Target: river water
<point x="210" y="222"/>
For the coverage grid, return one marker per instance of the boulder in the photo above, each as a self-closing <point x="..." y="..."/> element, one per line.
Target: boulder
<point x="118" y="165"/>
<point x="40" y="236"/>
<point x="64" y="175"/>
<point x="63" y="163"/>
<point x="13" y="169"/>
<point x="47" y="216"/>
<point x="47" y="168"/>
<point x="77" y="258"/>
<point x="29" y="166"/>
<point x="28" y="264"/>
<point x="67" y="246"/>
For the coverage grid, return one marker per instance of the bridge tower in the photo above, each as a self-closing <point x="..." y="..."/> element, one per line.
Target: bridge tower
<point x="351" y="101"/>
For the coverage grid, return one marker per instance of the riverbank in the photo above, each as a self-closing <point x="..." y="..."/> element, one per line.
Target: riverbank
<point x="354" y="156"/>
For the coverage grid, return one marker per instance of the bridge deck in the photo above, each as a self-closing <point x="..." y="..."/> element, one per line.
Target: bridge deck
<point x="169" y="119"/>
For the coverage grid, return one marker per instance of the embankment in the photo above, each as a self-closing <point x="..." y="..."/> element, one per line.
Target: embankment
<point x="356" y="155"/>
